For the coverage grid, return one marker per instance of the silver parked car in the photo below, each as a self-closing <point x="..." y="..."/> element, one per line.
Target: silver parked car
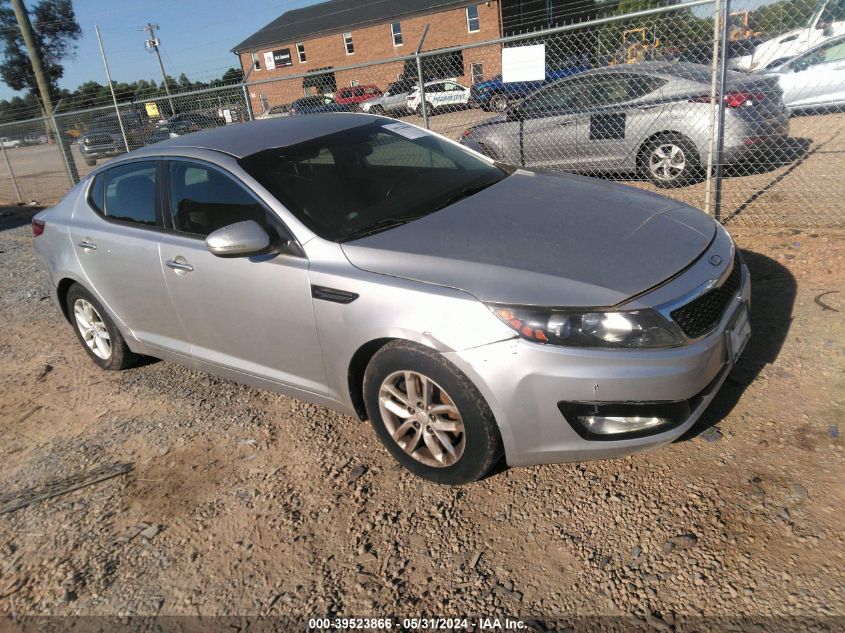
<point x="815" y="79"/>
<point x="380" y="269"/>
<point x="392" y="102"/>
<point x="651" y="118"/>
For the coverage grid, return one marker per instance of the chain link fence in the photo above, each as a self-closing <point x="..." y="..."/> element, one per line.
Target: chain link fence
<point x="736" y="112"/>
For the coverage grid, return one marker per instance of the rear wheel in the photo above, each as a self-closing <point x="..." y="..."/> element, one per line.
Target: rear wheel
<point x="670" y="160"/>
<point x="429" y="109"/>
<point x="96" y="331"/>
<point x="429" y="415"/>
<point x="377" y="109"/>
<point x="89" y="160"/>
<point x="499" y="103"/>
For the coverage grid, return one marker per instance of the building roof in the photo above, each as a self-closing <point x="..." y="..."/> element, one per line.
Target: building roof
<point x="336" y="16"/>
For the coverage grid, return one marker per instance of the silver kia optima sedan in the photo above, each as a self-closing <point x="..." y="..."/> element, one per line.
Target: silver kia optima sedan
<point x="469" y="309"/>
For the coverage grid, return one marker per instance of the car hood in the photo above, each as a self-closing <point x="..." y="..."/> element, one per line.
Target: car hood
<point x="537" y="238"/>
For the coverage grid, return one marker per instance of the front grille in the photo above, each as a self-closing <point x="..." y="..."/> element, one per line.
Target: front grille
<point x="703" y="314"/>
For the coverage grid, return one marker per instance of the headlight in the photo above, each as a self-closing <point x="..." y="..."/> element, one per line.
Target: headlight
<point x="631" y="329"/>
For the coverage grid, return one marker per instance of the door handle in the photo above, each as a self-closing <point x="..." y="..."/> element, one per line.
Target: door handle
<point x="85" y="245"/>
<point x="564" y="123"/>
<point x="648" y="107"/>
<point x="178" y="266"/>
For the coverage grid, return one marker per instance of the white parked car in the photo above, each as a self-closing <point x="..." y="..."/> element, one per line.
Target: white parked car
<point x="815" y="79"/>
<point x="5" y="141"/>
<point x="826" y="22"/>
<point x="441" y="94"/>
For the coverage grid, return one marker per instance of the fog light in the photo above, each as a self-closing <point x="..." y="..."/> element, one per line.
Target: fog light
<point x="607" y="425"/>
<point x="623" y="420"/>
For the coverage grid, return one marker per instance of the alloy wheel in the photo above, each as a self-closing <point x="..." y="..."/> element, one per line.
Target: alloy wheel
<point x="499" y="103"/>
<point x="667" y="161"/>
<point x="422" y="419"/>
<point x="92" y="328"/>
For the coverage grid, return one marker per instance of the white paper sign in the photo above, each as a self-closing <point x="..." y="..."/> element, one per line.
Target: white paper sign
<point x="524" y="63"/>
<point x="408" y="131"/>
<point x="269" y="62"/>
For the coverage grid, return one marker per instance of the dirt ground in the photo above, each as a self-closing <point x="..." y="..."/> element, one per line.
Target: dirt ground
<point x="245" y="503"/>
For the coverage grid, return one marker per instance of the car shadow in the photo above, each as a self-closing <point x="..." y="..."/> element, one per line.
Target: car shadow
<point x="773" y="291"/>
<point x="13" y="216"/>
<point x="790" y="151"/>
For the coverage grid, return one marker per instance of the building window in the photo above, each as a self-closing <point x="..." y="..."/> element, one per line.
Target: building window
<point x="473" y="23"/>
<point x="256" y="65"/>
<point x="477" y="73"/>
<point x="396" y="32"/>
<point x="347" y="42"/>
<point x="300" y="51"/>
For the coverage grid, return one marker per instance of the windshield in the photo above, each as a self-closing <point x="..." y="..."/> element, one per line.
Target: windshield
<point x="369" y="178"/>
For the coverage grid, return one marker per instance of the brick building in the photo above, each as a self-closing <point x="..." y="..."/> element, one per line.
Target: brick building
<point x="323" y="38"/>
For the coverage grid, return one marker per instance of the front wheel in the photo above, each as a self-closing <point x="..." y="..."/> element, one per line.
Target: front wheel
<point x="670" y="160"/>
<point x="429" y="415"/>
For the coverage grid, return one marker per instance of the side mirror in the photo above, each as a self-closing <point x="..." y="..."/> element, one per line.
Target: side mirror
<point x="238" y="240"/>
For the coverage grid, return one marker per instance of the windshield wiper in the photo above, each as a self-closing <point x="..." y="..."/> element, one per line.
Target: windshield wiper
<point x="379" y="226"/>
<point x="466" y="192"/>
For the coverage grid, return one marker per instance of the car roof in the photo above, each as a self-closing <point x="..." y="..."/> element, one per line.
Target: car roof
<point x="243" y="139"/>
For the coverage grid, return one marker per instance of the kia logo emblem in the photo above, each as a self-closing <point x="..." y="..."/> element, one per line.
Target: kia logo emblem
<point x="715" y="260"/>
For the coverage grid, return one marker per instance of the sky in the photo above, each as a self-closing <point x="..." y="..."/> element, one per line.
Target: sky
<point x="196" y="37"/>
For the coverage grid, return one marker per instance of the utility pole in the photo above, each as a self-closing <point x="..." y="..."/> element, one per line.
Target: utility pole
<point x="153" y="44"/>
<point x="34" y="56"/>
<point x="25" y="26"/>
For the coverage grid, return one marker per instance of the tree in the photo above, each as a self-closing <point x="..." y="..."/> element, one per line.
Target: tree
<point x="56" y="33"/>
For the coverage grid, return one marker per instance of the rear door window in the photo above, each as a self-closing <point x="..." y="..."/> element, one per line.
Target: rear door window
<point x="130" y="194"/>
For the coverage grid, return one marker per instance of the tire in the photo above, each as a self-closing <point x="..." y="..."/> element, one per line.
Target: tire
<point x="119" y="355"/>
<point x="89" y="161"/>
<point x="377" y="110"/>
<point x="670" y="160"/>
<point x="457" y="415"/>
<point x="498" y="103"/>
<point x="429" y="108"/>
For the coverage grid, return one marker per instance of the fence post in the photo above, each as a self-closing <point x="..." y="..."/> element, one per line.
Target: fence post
<point x="111" y="88"/>
<point x="714" y="92"/>
<point x="64" y="148"/>
<point x="247" y="101"/>
<point x="11" y="173"/>
<point x="720" y="130"/>
<point x="421" y="79"/>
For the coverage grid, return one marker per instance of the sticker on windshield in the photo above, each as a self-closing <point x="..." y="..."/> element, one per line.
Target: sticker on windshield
<point x="408" y="131"/>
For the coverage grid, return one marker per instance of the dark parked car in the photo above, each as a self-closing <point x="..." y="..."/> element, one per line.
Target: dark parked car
<point x="318" y="105"/>
<point x="495" y="94"/>
<point x="193" y="120"/>
<point x="104" y="138"/>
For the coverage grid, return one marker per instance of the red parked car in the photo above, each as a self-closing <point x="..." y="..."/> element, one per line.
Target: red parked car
<point x="357" y="94"/>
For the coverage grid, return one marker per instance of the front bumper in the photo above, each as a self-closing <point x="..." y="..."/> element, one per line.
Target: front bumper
<point x="523" y="383"/>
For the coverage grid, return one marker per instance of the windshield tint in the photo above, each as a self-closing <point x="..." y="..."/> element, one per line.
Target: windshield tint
<point x="369" y="178"/>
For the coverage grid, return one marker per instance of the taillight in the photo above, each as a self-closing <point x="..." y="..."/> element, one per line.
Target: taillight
<point x="739" y="98"/>
<point x="38" y="227"/>
<point x="734" y="99"/>
<point x="466" y="132"/>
